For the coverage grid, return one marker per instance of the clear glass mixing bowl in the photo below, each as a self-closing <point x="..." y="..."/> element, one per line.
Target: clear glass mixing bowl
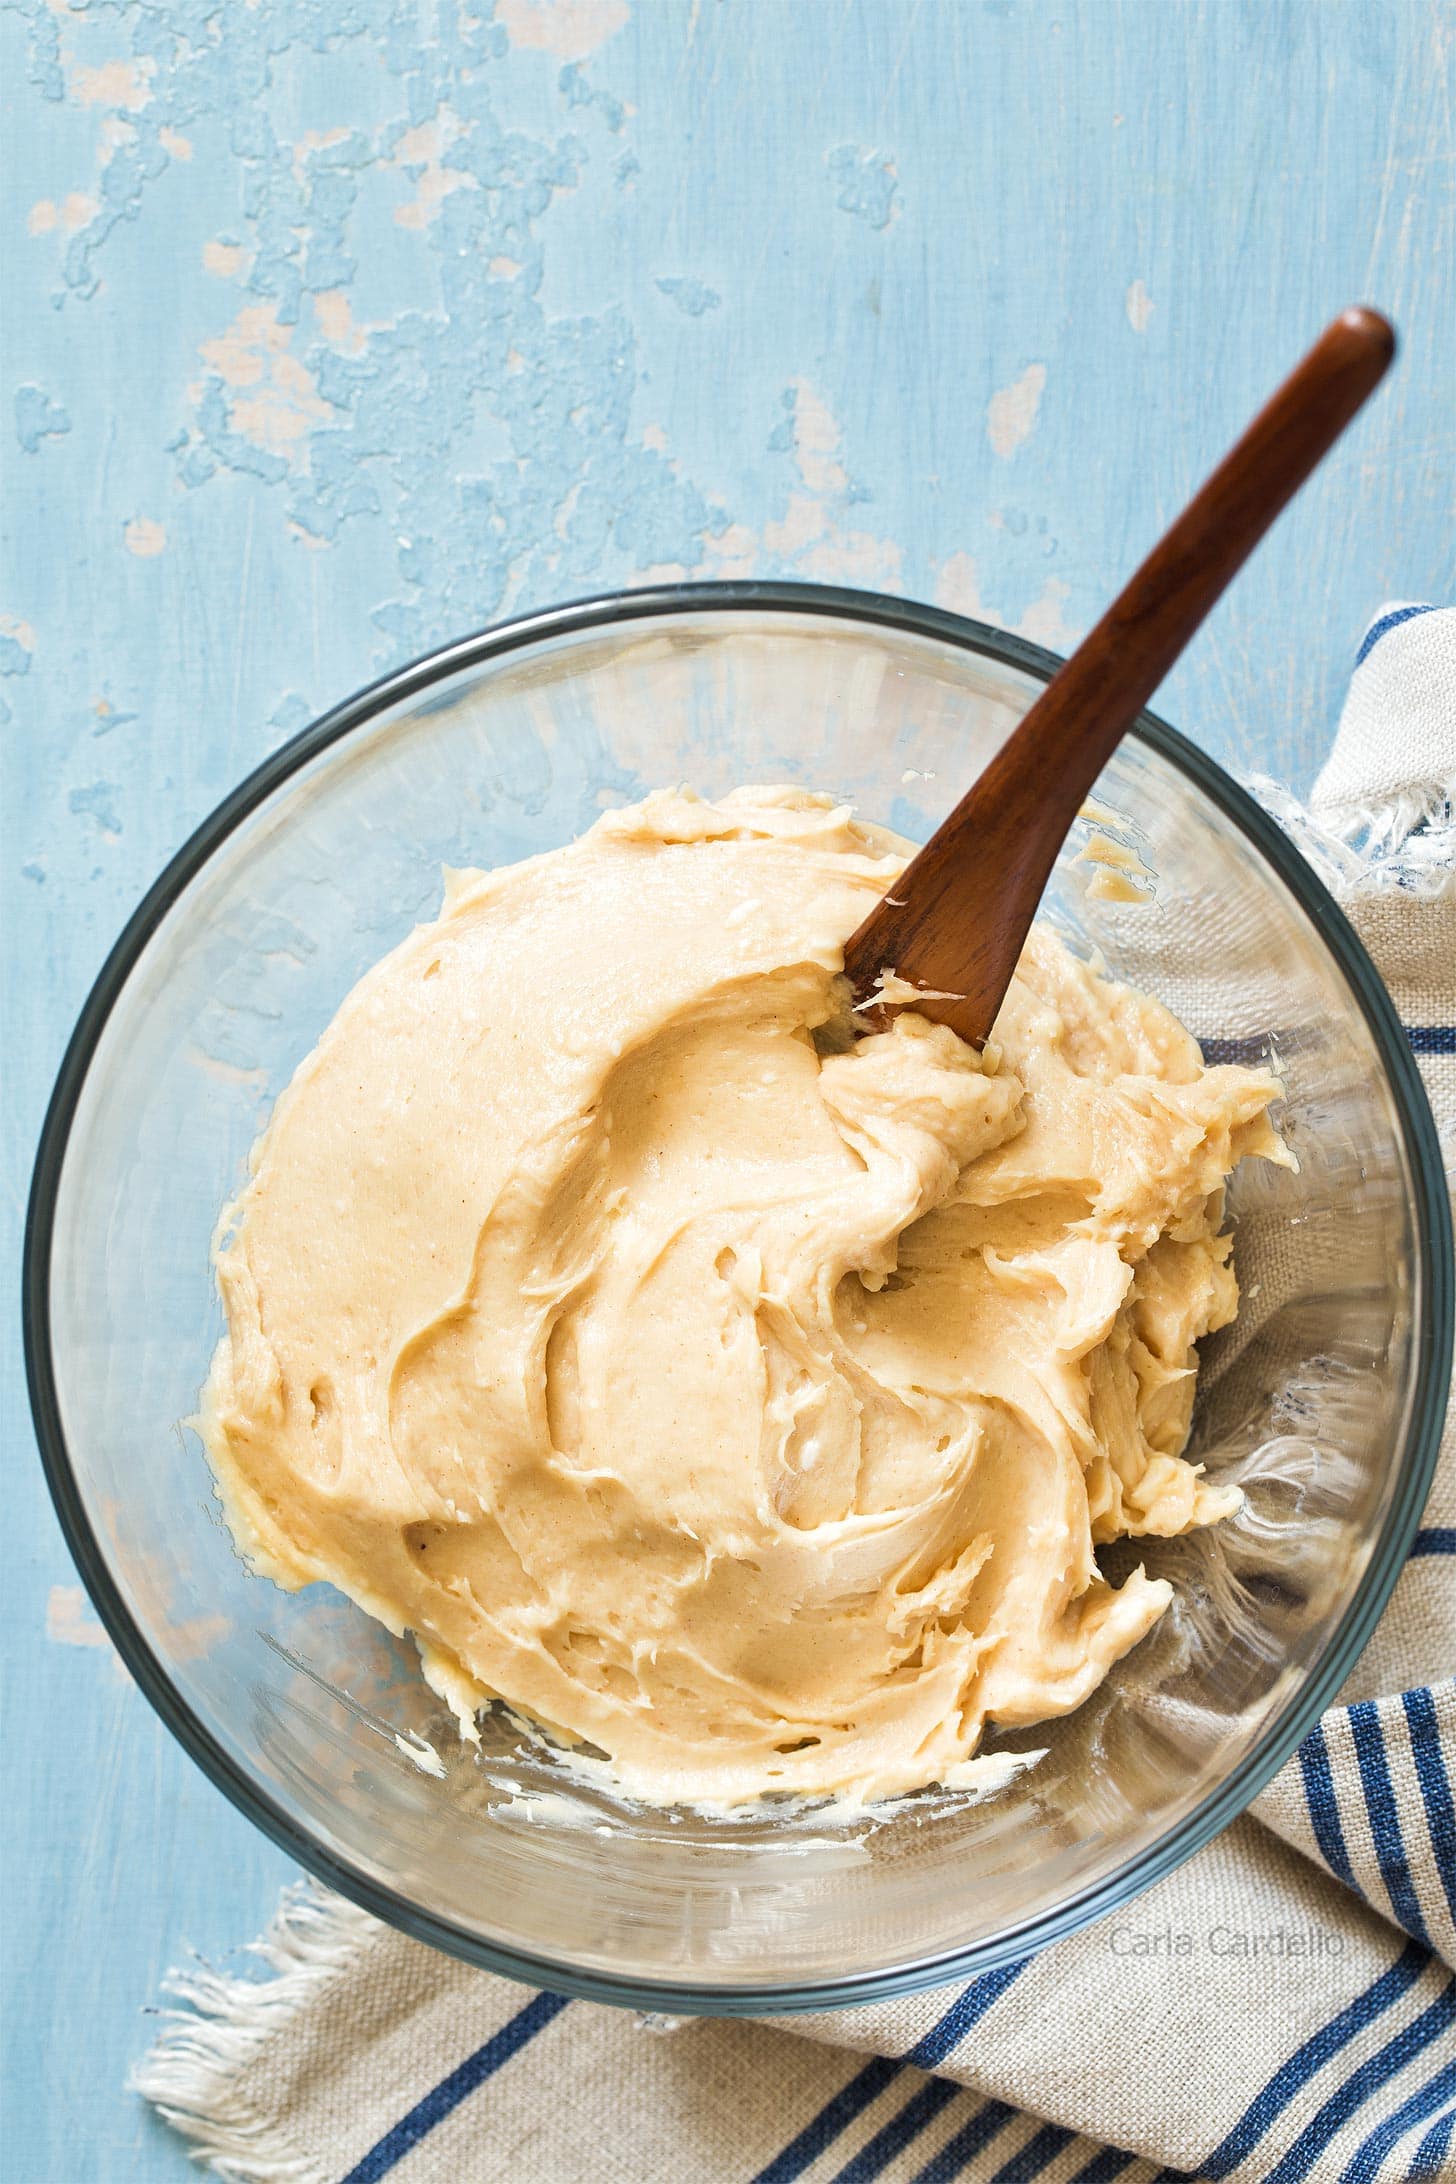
<point x="1324" y="1399"/>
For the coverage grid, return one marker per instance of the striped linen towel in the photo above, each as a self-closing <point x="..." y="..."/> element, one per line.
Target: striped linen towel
<point x="1281" y="2008"/>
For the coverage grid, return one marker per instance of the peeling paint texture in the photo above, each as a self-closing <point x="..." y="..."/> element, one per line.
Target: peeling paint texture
<point x="691" y="297"/>
<point x="866" y="182"/>
<point x="334" y="329"/>
<point x="1011" y="412"/>
<point x="37" y="418"/>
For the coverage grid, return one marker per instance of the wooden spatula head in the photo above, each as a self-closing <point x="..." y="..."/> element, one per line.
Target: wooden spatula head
<point x="957" y="918"/>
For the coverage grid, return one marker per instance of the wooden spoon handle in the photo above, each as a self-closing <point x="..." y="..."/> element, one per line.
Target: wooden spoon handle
<point x="962" y="909"/>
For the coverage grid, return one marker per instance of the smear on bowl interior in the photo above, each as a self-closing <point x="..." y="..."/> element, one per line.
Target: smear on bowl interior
<point x="718" y="1386"/>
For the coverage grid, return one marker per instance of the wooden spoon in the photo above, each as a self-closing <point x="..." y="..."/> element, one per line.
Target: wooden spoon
<point x="961" y="910"/>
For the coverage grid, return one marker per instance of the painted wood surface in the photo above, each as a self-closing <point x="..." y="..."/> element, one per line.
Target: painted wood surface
<point x="336" y="327"/>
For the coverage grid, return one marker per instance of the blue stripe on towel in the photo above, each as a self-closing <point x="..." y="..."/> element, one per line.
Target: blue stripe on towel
<point x="835" y="2116"/>
<point x="1324" y="1808"/>
<point x="1377" y="2070"/>
<point x="922" y="2108"/>
<point x="1383" y="627"/>
<point x="969" y="2141"/>
<point x="969" y="2006"/>
<point x="1390" y="1852"/>
<point x="1430" y="2155"/>
<point x="1103" y="2167"/>
<point x="1434" y="1539"/>
<point x="1037" y="2154"/>
<point x="1254" y="1048"/>
<point x="1370" y="2154"/>
<point x="1293" y="2075"/>
<point x="1430" y="1766"/>
<point x="451" y="2091"/>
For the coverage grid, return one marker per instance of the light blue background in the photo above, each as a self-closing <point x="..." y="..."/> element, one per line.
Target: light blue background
<point x="336" y="327"/>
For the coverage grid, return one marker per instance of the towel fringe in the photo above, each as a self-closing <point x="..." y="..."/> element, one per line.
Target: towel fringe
<point x="192" y="2073"/>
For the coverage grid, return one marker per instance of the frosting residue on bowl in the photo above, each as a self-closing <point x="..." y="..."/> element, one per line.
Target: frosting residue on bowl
<point x="727" y="1390"/>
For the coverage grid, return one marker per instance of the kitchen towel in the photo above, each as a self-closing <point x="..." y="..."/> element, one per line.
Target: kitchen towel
<point x="1283" y="2007"/>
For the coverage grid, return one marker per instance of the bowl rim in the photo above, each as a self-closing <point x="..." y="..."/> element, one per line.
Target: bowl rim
<point x="1432" y="1343"/>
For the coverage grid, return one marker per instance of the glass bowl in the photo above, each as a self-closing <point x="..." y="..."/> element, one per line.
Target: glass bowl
<point x="1323" y="1400"/>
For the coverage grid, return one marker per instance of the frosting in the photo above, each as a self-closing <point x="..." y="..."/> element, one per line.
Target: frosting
<point x="732" y="1393"/>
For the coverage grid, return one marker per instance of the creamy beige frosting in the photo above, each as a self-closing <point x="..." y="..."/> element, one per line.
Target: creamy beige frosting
<point x="738" y="1395"/>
